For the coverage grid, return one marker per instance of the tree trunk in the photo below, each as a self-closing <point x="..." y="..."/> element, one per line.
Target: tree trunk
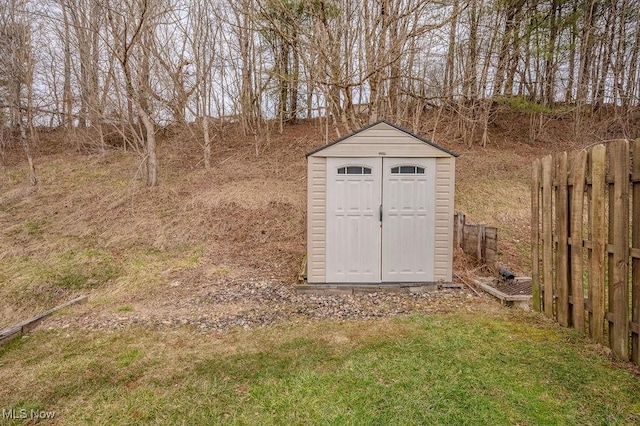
<point x="469" y="83"/>
<point x="295" y="82"/>
<point x="67" y="100"/>
<point x="151" y="157"/>
<point x="449" y="68"/>
<point x="632" y="88"/>
<point x="550" y="61"/>
<point x="568" y="97"/>
<point x="607" y="50"/>
<point x="24" y="140"/>
<point x="207" y="142"/>
<point x="586" y="51"/>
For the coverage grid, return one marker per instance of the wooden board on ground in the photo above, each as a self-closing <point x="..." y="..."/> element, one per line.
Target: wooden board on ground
<point x="22" y="327"/>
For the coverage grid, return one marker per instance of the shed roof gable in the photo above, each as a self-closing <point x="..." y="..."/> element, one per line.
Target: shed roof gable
<point x="385" y="133"/>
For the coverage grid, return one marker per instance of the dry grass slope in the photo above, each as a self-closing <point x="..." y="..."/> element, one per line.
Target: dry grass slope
<point x="93" y="227"/>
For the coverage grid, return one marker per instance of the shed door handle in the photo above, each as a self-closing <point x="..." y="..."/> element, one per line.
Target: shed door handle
<point x="380" y="212"/>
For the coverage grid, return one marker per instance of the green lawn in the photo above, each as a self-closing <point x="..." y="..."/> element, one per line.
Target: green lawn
<point x="498" y="368"/>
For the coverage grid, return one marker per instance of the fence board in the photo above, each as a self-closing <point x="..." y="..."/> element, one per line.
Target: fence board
<point x="579" y="164"/>
<point x="635" y="265"/>
<point x="481" y="244"/>
<point x="597" y="234"/>
<point x="480" y="241"/>
<point x="459" y="224"/>
<point x="562" y="249"/>
<point x="535" y="235"/>
<point x="619" y="274"/>
<point x="547" y="235"/>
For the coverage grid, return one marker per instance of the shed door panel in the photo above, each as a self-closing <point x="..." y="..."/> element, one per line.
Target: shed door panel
<point x="353" y="223"/>
<point x="408" y="223"/>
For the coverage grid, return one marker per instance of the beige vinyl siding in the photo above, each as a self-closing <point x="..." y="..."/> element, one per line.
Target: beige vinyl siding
<point x="445" y="187"/>
<point x="382" y="140"/>
<point x="316" y="221"/>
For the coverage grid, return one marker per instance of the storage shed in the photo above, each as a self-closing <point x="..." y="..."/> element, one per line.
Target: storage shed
<point x="380" y="209"/>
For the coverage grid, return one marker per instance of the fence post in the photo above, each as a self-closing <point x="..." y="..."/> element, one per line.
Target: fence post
<point x="482" y="237"/>
<point x="535" y="235"/>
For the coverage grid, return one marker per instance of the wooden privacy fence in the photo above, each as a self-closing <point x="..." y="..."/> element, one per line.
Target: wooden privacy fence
<point x="480" y="241"/>
<point x="585" y="243"/>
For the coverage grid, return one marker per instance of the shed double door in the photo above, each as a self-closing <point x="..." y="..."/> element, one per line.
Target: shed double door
<point x="380" y="220"/>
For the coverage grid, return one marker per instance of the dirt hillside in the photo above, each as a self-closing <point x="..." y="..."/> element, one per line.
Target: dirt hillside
<point x="93" y="227"/>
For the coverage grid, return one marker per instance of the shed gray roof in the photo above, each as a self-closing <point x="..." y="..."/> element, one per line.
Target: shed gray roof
<point x="402" y="129"/>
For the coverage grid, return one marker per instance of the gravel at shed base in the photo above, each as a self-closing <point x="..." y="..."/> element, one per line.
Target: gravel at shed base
<point x="250" y="304"/>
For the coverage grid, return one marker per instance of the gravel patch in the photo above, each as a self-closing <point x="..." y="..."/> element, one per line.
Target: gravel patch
<point x="251" y="304"/>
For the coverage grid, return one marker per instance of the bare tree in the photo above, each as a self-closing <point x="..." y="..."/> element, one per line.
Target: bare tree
<point x="132" y="25"/>
<point x="67" y="96"/>
<point x="144" y="63"/>
<point x="16" y="65"/>
<point x="203" y="31"/>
